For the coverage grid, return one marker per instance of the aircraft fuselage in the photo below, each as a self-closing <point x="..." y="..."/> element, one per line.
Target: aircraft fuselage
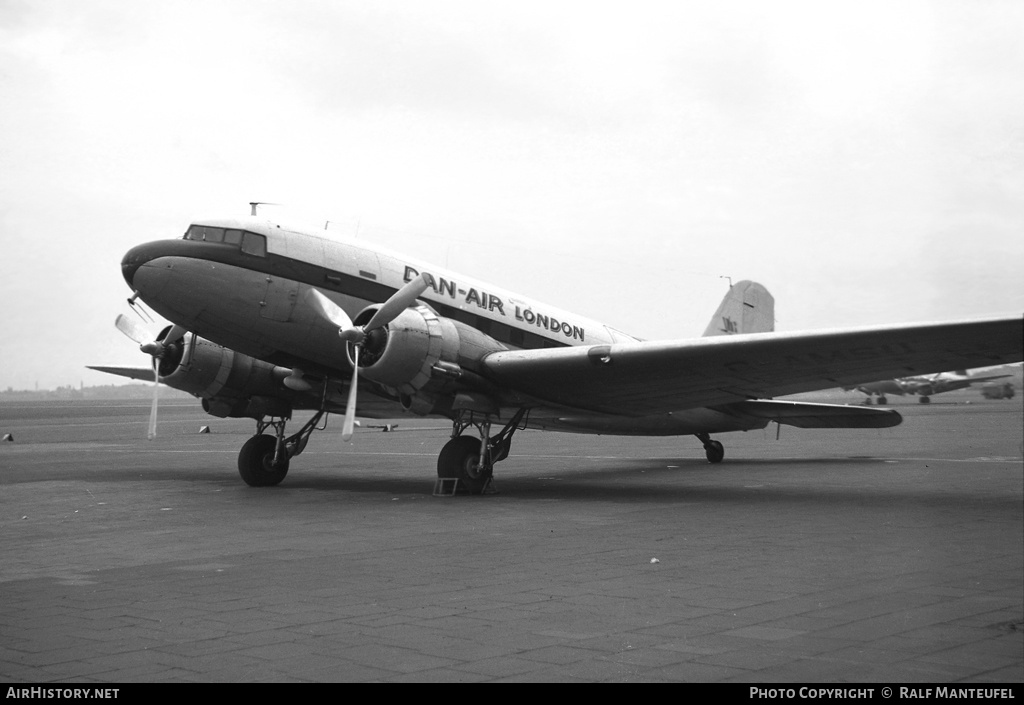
<point x="247" y="300"/>
<point x="247" y="295"/>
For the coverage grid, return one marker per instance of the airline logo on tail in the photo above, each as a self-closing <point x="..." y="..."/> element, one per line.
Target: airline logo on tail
<point x="747" y="308"/>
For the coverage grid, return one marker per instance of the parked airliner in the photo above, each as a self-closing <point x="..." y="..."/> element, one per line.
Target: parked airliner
<point x="270" y="318"/>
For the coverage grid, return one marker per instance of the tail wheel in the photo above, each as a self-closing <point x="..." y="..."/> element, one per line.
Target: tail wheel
<point x="460" y="458"/>
<point x="256" y="462"/>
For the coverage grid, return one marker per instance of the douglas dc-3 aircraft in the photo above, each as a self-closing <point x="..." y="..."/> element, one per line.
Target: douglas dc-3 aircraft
<point x="924" y="386"/>
<point x="269" y="319"/>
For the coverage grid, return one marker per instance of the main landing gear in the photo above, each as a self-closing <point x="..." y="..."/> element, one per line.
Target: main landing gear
<point x="467" y="463"/>
<point x="263" y="460"/>
<point x="714" y="450"/>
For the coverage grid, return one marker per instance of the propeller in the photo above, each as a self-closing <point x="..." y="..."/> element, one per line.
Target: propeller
<point x="356" y="335"/>
<point x="153" y="348"/>
<point x="389" y="310"/>
<point x="141" y="336"/>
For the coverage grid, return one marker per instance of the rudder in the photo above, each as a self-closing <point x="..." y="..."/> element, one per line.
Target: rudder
<point x="746" y="308"/>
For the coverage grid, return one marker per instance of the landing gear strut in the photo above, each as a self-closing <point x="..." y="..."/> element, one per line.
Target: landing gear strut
<point x="263" y="460"/>
<point x="714" y="450"/>
<point x="468" y="463"/>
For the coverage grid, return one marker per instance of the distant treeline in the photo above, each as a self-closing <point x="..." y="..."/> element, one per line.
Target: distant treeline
<point x="107" y="391"/>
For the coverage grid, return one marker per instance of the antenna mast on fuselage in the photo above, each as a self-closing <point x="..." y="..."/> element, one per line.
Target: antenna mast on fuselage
<point x="255" y="204"/>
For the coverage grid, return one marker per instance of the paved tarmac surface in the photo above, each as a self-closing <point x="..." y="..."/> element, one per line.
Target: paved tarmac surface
<point x="891" y="556"/>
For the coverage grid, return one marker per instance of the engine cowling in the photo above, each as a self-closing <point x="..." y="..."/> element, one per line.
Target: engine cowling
<point x="420" y="354"/>
<point x="230" y="384"/>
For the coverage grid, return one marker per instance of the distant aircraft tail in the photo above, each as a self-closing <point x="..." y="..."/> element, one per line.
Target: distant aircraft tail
<point x="747" y="308"/>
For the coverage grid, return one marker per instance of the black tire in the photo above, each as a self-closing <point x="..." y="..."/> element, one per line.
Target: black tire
<point x="460" y="458"/>
<point x="715" y="451"/>
<point x="925" y="400"/>
<point x="883" y="400"/>
<point x="256" y="462"/>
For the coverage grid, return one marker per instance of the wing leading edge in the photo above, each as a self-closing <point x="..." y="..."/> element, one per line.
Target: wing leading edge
<point x="638" y="379"/>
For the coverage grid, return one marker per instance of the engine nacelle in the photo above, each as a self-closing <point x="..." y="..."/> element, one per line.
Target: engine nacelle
<point x="230" y="384"/>
<point x="420" y="353"/>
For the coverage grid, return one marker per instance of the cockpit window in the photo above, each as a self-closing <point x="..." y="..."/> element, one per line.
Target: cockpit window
<point x="254" y="244"/>
<point x="204" y="233"/>
<point x="250" y="243"/>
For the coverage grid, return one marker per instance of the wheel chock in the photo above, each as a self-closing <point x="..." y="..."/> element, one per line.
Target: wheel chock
<point x="446" y="487"/>
<point x="9" y="437"/>
<point x="449" y="487"/>
<point x="204" y="429"/>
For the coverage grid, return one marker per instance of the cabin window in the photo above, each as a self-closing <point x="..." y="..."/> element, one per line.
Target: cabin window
<point x="233" y="237"/>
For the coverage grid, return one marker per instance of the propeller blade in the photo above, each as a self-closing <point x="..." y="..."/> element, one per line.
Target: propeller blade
<point x="398" y="302"/>
<point x="175" y="334"/>
<point x="156" y="394"/>
<point x="350" y="408"/>
<point x="131" y="329"/>
<point x="329" y="310"/>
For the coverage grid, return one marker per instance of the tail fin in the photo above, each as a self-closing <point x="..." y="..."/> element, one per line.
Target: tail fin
<point x="747" y="308"/>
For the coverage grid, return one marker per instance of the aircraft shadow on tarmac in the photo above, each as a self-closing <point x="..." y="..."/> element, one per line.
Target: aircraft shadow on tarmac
<point x="652" y="481"/>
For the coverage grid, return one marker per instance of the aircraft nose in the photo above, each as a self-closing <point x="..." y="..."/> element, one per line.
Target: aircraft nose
<point x="130" y="263"/>
<point x="138" y="256"/>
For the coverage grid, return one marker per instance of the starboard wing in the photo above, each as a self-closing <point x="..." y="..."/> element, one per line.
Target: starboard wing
<point x="637" y="379"/>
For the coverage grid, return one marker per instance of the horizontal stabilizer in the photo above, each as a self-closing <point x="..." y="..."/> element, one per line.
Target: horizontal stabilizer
<point x="808" y="415"/>
<point x="143" y="373"/>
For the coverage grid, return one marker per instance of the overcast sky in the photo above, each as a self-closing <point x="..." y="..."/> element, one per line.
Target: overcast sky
<point x="862" y="160"/>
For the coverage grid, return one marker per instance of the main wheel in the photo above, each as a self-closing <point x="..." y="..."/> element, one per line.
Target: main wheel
<point x="882" y="400"/>
<point x="256" y="462"/>
<point x="460" y="458"/>
<point x="715" y="451"/>
<point x="925" y="400"/>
